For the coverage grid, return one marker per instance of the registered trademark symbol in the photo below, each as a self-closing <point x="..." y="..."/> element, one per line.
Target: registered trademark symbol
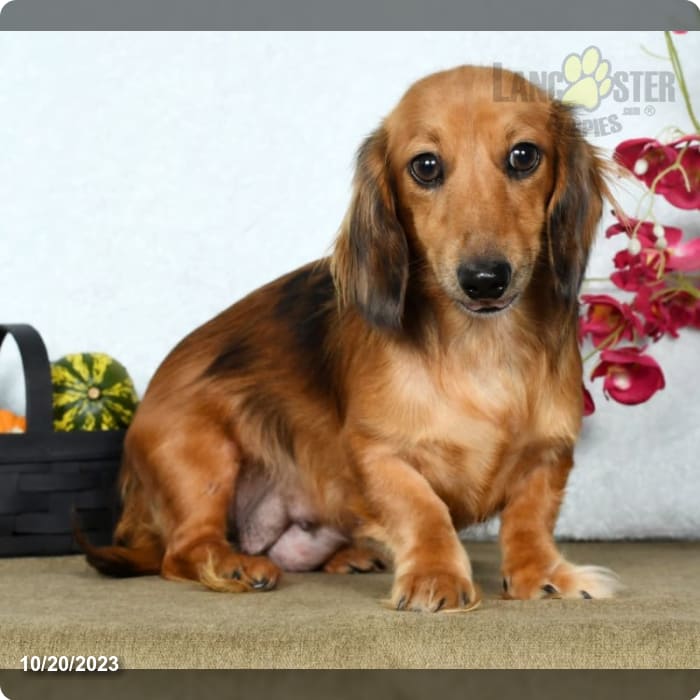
<point x="650" y="110"/>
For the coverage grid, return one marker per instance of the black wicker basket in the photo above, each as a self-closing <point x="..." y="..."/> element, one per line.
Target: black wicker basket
<point x="48" y="478"/>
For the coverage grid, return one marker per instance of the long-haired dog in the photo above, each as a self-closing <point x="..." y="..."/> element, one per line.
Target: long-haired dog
<point x="423" y="377"/>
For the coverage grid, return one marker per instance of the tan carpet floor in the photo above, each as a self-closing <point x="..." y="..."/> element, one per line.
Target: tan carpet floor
<point x="60" y="606"/>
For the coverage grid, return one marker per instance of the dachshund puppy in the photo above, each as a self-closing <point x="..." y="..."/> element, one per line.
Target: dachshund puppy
<point x="424" y="377"/>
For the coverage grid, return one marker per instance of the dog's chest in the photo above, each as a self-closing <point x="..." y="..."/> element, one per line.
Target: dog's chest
<point x="464" y="430"/>
<point x="472" y="407"/>
<point x="467" y="425"/>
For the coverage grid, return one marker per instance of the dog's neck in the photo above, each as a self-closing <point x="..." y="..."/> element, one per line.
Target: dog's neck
<point x="537" y="321"/>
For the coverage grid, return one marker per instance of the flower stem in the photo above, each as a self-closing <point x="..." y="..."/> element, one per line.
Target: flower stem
<point x="684" y="284"/>
<point x="610" y="340"/>
<point x="648" y="52"/>
<point x="678" y="70"/>
<point x="648" y="196"/>
<point x="596" y="279"/>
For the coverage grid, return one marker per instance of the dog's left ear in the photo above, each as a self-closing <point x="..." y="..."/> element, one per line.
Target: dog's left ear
<point x="575" y="206"/>
<point x="370" y="258"/>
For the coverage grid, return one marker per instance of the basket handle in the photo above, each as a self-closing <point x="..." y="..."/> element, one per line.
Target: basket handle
<point x="37" y="375"/>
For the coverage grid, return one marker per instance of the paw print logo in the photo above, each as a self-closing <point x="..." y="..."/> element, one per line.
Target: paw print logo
<point x="588" y="79"/>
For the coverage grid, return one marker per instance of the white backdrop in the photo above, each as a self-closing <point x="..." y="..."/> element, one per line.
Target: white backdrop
<point x="148" y="180"/>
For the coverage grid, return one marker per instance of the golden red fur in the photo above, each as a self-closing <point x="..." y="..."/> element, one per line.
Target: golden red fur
<point x="379" y="396"/>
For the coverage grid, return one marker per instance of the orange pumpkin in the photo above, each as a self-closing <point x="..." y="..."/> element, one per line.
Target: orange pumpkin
<point x="11" y="423"/>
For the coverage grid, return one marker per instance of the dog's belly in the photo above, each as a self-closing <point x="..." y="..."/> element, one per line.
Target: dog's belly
<point x="300" y="549"/>
<point x="280" y="522"/>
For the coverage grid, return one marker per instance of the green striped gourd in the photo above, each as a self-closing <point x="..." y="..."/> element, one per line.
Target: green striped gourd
<point x="91" y="391"/>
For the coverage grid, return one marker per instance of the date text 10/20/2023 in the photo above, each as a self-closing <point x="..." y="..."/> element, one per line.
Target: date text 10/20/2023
<point x="77" y="664"/>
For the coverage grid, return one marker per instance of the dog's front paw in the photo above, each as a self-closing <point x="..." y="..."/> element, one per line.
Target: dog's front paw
<point x="563" y="580"/>
<point x="433" y="592"/>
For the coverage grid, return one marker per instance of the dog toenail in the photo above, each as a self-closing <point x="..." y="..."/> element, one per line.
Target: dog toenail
<point x="505" y="586"/>
<point x="236" y="574"/>
<point x="260" y="582"/>
<point x="402" y="603"/>
<point x="379" y="564"/>
<point x="587" y="595"/>
<point x="465" y="599"/>
<point x="549" y="588"/>
<point x="440" y="604"/>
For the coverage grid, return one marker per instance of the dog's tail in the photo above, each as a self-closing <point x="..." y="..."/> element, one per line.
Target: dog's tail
<point x="122" y="561"/>
<point x="138" y="547"/>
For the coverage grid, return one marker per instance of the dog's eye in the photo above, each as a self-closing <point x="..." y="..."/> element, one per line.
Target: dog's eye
<point x="426" y="169"/>
<point x="523" y="158"/>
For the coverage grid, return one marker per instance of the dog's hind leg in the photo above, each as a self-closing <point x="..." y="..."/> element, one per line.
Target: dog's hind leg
<point x="195" y="469"/>
<point x="356" y="558"/>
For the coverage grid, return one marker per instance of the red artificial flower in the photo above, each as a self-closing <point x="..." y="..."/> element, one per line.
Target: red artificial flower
<point x="684" y="309"/>
<point x="647" y="158"/>
<point x="667" y="310"/>
<point x="631" y="377"/>
<point x="605" y="317"/>
<point x="684" y="257"/>
<point x="645" y="232"/>
<point x="633" y="278"/>
<point x="657" y="321"/>
<point x="634" y="271"/>
<point x="588" y="405"/>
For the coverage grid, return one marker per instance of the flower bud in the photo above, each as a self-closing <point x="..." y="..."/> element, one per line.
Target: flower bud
<point x="634" y="246"/>
<point x="630" y="376"/>
<point x="641" y="166"/>
<point x="621" y="380"/>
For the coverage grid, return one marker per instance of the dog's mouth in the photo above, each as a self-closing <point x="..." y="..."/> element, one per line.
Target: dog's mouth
<point x="493" y="308"/>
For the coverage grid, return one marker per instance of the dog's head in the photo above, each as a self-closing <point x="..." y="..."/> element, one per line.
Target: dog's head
<point x="474" y="177"/>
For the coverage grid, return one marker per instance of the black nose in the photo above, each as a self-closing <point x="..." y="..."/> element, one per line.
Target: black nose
<point x="484" y="279"/>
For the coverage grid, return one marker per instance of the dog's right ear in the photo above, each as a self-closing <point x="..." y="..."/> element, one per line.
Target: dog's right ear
<point x="370" y="259"/>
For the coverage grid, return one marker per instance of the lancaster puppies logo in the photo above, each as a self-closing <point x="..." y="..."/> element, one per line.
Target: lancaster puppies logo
<point x="587" y="77"/>
<point x="604" y="96"/>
